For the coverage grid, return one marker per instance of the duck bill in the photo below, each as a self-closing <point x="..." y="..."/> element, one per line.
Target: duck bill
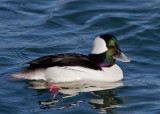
<point x="122" y="57"/>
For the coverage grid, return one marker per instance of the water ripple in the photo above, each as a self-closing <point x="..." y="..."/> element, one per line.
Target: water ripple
<point x="31" y="29"/>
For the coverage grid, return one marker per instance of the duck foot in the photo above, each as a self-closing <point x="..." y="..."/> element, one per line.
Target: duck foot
<point x="54" y="89"/>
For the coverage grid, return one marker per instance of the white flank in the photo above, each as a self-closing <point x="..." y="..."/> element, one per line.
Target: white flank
<point x="72" y="73"/>
<point x="68" y="74"/>
<point x="99" y="46"/>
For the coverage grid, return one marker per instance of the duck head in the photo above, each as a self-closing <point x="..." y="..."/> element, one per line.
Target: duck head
<point x="106" y="50"/>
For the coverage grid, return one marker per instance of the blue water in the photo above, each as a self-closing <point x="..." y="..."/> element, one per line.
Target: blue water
<point x="35" y="28"/>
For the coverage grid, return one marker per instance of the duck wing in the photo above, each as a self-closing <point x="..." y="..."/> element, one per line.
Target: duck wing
<point x="70" y="59"/>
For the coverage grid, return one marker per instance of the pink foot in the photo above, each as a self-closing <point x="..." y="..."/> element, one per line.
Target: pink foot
<point x="54" y="89"/>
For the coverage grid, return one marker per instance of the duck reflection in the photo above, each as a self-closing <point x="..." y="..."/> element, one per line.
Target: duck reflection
<point x="103" y="95"/>
<point x="108" y="100"/>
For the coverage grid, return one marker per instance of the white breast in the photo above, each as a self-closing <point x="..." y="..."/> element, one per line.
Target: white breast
<point x="68" y="73"/>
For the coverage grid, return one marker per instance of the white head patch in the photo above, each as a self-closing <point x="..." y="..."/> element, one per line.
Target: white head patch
<point x="99" y="46"/>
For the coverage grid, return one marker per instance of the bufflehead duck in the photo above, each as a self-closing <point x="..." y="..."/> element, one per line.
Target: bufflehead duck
<point x="99" y="65"/>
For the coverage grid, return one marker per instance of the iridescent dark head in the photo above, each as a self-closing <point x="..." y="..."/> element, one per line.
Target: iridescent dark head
<point x="108" y="44"/>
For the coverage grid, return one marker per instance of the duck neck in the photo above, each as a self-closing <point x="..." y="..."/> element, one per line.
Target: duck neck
<point x="109" y="60"/>
<point x="102" y="59"/>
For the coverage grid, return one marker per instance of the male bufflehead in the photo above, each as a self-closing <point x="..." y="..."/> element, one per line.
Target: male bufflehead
<point x="99" y="65"/>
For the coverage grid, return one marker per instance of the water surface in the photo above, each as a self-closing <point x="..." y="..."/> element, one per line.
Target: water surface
<point x="31" y="29"/>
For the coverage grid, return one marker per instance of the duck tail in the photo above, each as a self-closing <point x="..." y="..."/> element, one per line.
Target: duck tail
<point x="28" y="73"/>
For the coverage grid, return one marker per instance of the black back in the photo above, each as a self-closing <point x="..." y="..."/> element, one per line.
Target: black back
<point x="70" y="59"/>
